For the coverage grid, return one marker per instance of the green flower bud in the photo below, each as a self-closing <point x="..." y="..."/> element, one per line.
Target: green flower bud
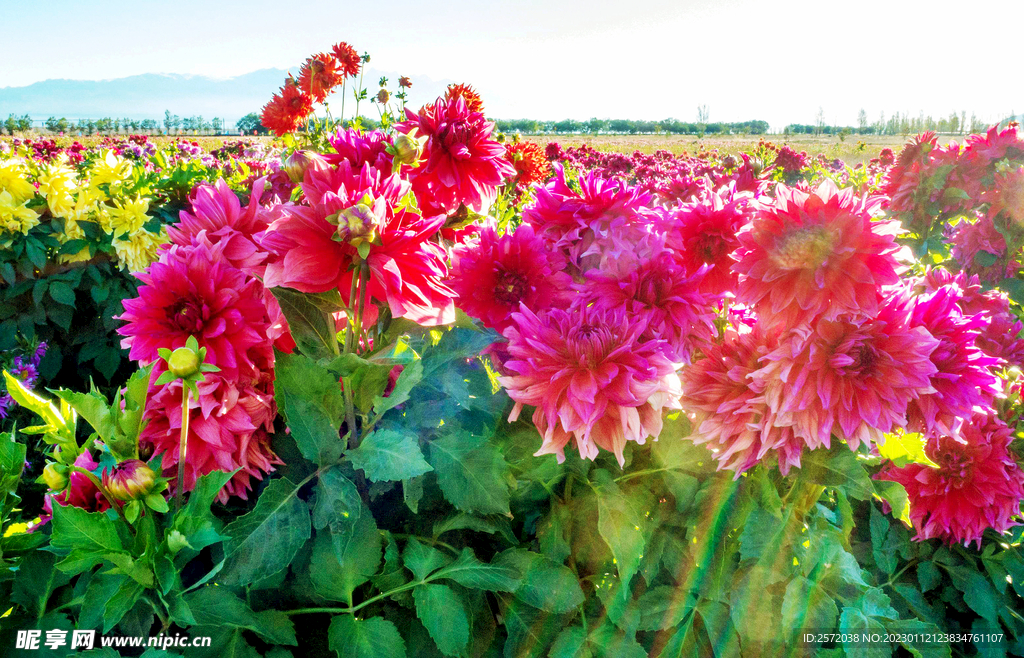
<point x="184" y="362"/>
<point x="406" y="149"/>
<point x="56" y="476"/>
<point x="296" y="164"/>
<point x="130" y="479"/>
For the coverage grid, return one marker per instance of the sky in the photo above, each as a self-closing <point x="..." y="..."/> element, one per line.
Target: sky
<point x="776" y="60"/>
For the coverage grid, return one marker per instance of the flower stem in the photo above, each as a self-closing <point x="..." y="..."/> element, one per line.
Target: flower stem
<point x="183" y="446"/>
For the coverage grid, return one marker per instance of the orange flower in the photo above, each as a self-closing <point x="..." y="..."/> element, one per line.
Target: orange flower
<point x="287" y="110"/>
<point x="319" y="76"/>
<point x="466" y="93"/>
<point x="348" y="58"/>
<point x="530" y="163"/>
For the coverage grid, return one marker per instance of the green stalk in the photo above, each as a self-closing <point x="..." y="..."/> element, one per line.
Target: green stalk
<point x="180" y="493"/>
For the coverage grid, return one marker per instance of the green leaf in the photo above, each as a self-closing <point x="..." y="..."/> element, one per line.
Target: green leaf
<point x="570" y="643"/>
<point x="621" y="525"/>
<point x="331" y="579"/>
<point x="928" y="576"/>
<point x="120" y="603"/>
<point x="137" y="570"/>
<point x="894" y="494"/>
<point x="93" y="408"/>
<point x="545" y="584"/>
<point x="758" y="531"/>
<point x="470" y="473"/>
<point x="807" y="605"/>
<point x="309" y="319"/>
<point x="664" y="606"/>
<point x="530" y="631"/>
<point x="387" y="455"/>
<point x="266" y="539"/>
<point x="93" y="532"/>
<point x="35" y="581"/>
<point x="977" y="590"/>
<point x="411" y="375"/>
<point x="422" y="560"/>
<point x="365" y="638"/>
<point x="62" y="293"/>
<point x="879" y="527"/>
<point x="412" y="493"/>
<point x="354" y="534"/>
<point x="915" y="629"/>
<point x="905" y="448"/>
<point x="468" y="571"/>
<point x="444" y="616"/>
<point x="311" y="401"/>
<point x="219" y="606"/>
<point x="853" y="623"/>
<point x="837" y="467"/>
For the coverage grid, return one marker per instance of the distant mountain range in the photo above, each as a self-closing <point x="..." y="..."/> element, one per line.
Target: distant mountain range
<point x="147" y="96"/>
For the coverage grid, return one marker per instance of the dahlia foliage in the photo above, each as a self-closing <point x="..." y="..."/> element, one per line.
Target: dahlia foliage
<point x="522" y="376"/>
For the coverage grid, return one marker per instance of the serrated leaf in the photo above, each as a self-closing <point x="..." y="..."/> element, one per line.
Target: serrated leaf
<point x="128" y="592"/>
<point x="93" y="408"/>
<point x="806" y="605"/>
<point x="837" y="467"/>
<point x="365" y="638"/>
<point x="879" y="529"/>
<point x="977" y="590"/>
<point x="468" y="571"/>
<point x="664" y="606"/>
<point x="470" y="473"/>
<point x="545" y="585"/>
<point x="309" y="319"/>
<point x="266" y="539"/>
<point x="621" y="525"/>
<point x="311" y="401"/>
<point x="904" y="448"/>
<point x="75" y="528"/>
<point x="35" y="581"/>
<point x="421" y="559"/>
<point x="410" y="376"/>
<point x="388" y="455"/>
<point x="219" y="606"/>
<point x="354" y="535"/>
<point x="444" y="616"/>
<point x="570" y="643"/>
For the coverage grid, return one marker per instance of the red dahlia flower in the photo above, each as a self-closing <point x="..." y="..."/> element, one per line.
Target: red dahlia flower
<point x="287" y="111"/>
<point x="964" y="380"/>
<point x="703" y="233"/>
<point x="816" y="254"/>
<point x="315" y="255"/>
<point x="492" y="275"/>
<point x="466" y="93"/>
<point x="193" y="291"/>
<point x="657" y="292"/>
<point x="730" y="414"/>
<point x="530" y="163"/>
<point x="978" y="484"/>
<point x="591" y="377"/>
<point x="460" y="164"/>
<point x="851" y="377"/>
<point x="320" y="75"/>
<point x="229" y="429"/>
<point x="348" y="59"/>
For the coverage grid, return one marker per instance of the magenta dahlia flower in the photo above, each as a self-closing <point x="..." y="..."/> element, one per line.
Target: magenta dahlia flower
<point x="658" y="292"/>
<point x="816" y="254"/>
<point x="704" y="233"/>
<point x="217" y="211"/>
<point x="851" y="377"/>
<point x="963" y="381"/>
<point x="229" y="428"/>
<point x="978" y="484"/>
<point x="461" y="163"/>
<point x="591" y="378"/>
<point x="980" y="249"/>
<point x="729" y="411"/>
<point x="314" y="245"/>
<point x="493" y="275"/>
<point x="194" y="291"/>
<point x="360" y="148"/>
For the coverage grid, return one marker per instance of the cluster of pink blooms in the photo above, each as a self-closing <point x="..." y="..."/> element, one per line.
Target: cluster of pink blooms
<point x="673" y="179"/>
<point x="979" y="184"/>
<point x="205" y="285"/>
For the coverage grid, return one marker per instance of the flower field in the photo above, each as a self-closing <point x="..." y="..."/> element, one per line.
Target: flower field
<point x="432" y="390"/>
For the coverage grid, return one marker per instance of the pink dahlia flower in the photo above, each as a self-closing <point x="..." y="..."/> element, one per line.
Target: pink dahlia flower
<point x="229" y="429"/>
<point x="312" y="254"/>
<point x="816" y="254"/>
<point x="963" y="381"/>
<point x="217" y="211"/>
<point x="658" y="292"/>
<point x="978" y="484"/>
<point x="730" y="413"/>
<point x="903" y="181"/>
<point x="1001" y="336"/>
<point x="494" y="274"/>
<point x="704" y="233"/>
<point x="591" y="378"/>
<point x="461" y="164"/>
<point x="980" y="248"/>
<point x="851" y="377"/>
<point x="361" y="148"/>
<point x="572" y="221"/>
<point x="193" y="291"/>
